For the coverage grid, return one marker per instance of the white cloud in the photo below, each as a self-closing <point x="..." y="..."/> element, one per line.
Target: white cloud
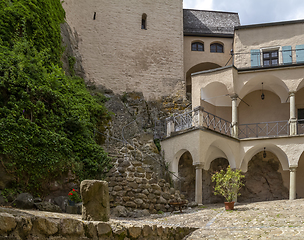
<point x="198" y="4"/>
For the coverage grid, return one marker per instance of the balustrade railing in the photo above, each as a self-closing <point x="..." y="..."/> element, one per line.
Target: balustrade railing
<point x="300" y="126"/>
<point x="264" y="129"/>
<point x="216" y="123"/>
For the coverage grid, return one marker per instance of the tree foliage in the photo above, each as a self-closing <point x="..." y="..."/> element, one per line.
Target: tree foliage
<point x="47" y="119"/>
<point x="228" y="183"/>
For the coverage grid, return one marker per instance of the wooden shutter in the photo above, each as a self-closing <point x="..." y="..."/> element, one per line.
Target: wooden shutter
<point x="255" y="57"/>
<point x="300" y="53"/>
<point x="287" y="55"/>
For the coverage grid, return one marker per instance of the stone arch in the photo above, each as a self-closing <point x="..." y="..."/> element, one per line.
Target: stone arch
<point x="300" y="85"/>
<point x="198" y="68"/>
<point x="219" y="149"/>
<point x="216" y="93"/>
<point x="186" y="176"/>
<point x="280" y="154"/>
<point x="300" y="177"/>
<point x="174" y="164"/>
<point x="270" y="83"/>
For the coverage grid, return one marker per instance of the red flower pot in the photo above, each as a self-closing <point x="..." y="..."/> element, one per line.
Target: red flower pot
<point x="229" y="205"/>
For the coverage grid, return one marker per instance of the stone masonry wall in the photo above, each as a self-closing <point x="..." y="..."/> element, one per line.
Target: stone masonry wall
<point x="18" y="225"/>
<point x="119" y="55"/>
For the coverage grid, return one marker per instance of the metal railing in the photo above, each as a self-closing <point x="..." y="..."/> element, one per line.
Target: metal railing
<point x="300" y="126"/>
<point x="183" y="121"/>
<point x="264" y="129"/>
<point x="216" y="123"/>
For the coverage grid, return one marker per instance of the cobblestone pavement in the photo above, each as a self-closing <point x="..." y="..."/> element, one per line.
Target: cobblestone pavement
<point x="281" y="219"/>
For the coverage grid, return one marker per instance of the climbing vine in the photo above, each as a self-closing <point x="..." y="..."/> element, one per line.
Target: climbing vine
<point x="47" y="119"/>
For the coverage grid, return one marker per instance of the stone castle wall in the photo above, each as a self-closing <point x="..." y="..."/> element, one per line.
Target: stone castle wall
<point x="118" y="54"/>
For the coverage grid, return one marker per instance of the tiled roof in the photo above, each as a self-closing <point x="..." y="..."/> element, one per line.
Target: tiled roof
<point x="200" y="22"/>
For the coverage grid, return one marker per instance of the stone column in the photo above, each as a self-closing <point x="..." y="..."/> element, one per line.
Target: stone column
<point x="234" y="122"/>
<point x="170" y="126"/>
<point x="293" y="118"/>
<point x="293" y="182"/>
<point x="198" y="117"/>
<point x="199" y="183"/>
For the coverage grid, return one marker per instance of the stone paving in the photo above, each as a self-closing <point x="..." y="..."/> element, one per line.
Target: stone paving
<point x="262" y="220"/>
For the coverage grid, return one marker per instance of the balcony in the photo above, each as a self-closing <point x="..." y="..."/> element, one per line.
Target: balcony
<point x="200" y="118"/>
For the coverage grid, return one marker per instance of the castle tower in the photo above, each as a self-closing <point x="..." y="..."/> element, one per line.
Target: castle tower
<point x="130" y="45"/>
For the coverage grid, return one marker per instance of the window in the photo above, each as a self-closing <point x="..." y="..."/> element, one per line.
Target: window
<point x="271" y="58"/>
<point x="301" y="115"/>
<point x="216" y="47"/>
<point x="144" y="21"/>
<point x="197" y="46"/>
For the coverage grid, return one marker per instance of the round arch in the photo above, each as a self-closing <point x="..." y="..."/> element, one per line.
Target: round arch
<point x="219" y="149"/>
<point x="300" y="85"/>
<point x="281" y="155"/>
<point x="216" y="93"/>
<point x="198" y="68"/>
<point x="177" y="156"/>
<point x="270" y="83"/>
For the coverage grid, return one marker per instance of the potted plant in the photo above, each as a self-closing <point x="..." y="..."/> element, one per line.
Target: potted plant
<point x="227" y="184"/>
<point x="74" y="197"/>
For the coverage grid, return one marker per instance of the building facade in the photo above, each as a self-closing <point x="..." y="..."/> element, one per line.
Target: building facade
<point x="254" y="106"/>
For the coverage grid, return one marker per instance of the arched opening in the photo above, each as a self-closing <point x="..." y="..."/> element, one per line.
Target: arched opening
<point x="198" y="68"/>
<point x="208" y="186"/>
<point x="265" y="179"/>
<point x="300" y="110"/>
<point x="186" y="174"/>
<point x="300" y="177"/>
<point x="144" y="21"/>
<point x="197" y="46"/>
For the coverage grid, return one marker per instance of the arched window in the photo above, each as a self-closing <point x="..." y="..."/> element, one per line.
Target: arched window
<point x="144" y="21"/>
<point x="197" y="46"/>
<point x="216" y="47"/>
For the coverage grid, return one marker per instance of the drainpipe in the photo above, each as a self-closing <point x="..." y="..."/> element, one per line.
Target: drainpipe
<point x="234" y="122"/>
<point x="292" y="119"/>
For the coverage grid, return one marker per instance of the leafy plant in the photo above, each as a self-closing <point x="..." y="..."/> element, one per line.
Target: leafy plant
<point x="74" y="196"/>
<point x="228" y="183"/>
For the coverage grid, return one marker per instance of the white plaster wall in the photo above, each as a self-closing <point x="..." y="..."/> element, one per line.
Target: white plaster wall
<point x="121" y="56"/>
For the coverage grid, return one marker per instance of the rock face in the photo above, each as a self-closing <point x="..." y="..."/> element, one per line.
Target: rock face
<point x="24" y="201"/>
<point x="95" y="199"/>
<point x="47" y="206"/>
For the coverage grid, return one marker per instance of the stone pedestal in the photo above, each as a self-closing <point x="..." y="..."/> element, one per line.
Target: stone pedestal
<point x="95" y="200"/>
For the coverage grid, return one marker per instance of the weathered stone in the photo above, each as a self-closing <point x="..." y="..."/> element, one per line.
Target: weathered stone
<point x="166" y="196"/>
<point x="24" y="201"/>
<point x="124" y="164"/>
<point x="124" y="183"/>
<point x="48" y="206"/>
<point x="126" y="199"/>
<point x="103" y="229"/>
<point x="131" y="204"/>
<point x="140" y="170"/>
<point x="172" y="191"/>
<point x="119" y="231"/>
<point x="131" y="169"/>
<point x="151" y="196"/>
<point x="157" y="206"/>
<point x="141" y="195"/>
<point x="133" y="185"/>
<point x="160" y="231"/>
<point x="46" y="226"/>
<point x="90" y="230"/>
<point x="120" y="211"/>
<point x="119" y="179"/>
<point x="138" y="180"/>
<point x="71" y="209"/>
<point x="62" y="202"/>
<point x="162" y="200"/>
<point x="138" y="201"/>
<point x="136" y="163"/>
<point x="24" y="225"/>
<point x="157" y="192"/>
<point x="117" y="188"/>
<point x="145" y="191"/>
<point x="121" y="193"/>
<point x="140" y="175"/>
<point x="148" y="175"/>
<point x="95" y="197"/>
<point x="134" y="232"/>
<point x="7" y="222"/>
<point x="71" y="227"/>
<point x="121" y="169"/>
<point x="146" y="231"/>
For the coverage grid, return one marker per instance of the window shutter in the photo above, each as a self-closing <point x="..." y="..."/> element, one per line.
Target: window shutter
<point x="300" y="53"/>
<point x="255" y="57"/>
<point x="287" y="55"/>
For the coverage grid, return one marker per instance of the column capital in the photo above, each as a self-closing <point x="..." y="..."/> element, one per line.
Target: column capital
<point x="234" y="96"/>
<point x="292" y="93"/>
<point x="293" y="168"/>
<point x="198" y="165"/>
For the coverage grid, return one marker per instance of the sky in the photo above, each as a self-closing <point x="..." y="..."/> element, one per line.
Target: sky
<point x="253" y="11"/>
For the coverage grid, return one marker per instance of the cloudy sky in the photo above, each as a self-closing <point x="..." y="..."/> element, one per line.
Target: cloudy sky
<point x="254" y="11"/>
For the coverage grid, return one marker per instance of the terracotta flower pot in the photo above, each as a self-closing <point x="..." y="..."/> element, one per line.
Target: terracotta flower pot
<point x="229" y="205"/>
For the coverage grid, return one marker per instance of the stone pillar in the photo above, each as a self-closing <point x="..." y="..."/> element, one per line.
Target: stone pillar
<point x="199" y="183"/>
<point x="293" y="182"/>
<point x="198" y="117"/>
<point x="95" y="200"/>
<point x="293" y="118"/>
<point x="234" y="122"/>
<point x="170" y="126"/>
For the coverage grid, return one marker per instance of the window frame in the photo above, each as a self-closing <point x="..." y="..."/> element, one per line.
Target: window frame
<point x="144" y="21"/>
<point x="197" y="44"/>
<point x="271" y="49"/>
<point x="217" y="44"/>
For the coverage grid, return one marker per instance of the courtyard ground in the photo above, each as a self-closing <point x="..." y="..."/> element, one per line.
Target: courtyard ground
<point x="280" y="219"/>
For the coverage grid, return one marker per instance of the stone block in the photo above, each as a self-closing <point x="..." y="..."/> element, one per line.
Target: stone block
<point x="71" y="227"/>
<point x="7" y="221"/>
<point x="71" y="209"/>
<point x="95" y="198"/>
<point x="134" y="232"/>
<point x="104" y="229"/>
<point x="24" y="201"/>
<point x="46" y="226"/>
